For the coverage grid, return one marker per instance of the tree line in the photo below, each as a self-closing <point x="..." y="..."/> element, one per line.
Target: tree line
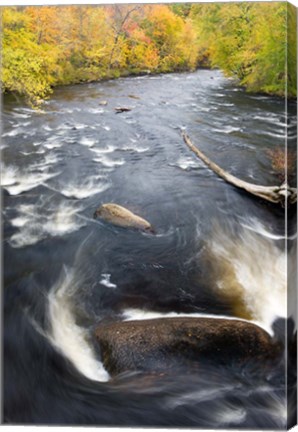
<point x="46" y="46"/>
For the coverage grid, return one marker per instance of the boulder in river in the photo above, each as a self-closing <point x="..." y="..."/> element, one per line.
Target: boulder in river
<point x="170" y="343"/>
<point x="120" y="216"/>
<point x="120" y="110"/>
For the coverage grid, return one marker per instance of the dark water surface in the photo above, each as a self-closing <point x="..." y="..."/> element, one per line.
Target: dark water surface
<point x="65" y="272"/>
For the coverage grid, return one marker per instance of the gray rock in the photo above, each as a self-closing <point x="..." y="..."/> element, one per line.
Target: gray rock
<point x="121" y="216"/>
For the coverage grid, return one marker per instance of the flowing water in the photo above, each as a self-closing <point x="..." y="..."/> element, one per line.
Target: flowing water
<point x="217" y="251"/>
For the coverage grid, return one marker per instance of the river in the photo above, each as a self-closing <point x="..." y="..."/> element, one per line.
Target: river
<point x="217" y="251"/>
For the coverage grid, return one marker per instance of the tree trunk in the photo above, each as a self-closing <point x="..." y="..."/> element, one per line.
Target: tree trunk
<point x="276" y="194"/>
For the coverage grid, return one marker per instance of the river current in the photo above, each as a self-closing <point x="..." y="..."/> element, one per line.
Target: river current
<point x="217" y="251"/>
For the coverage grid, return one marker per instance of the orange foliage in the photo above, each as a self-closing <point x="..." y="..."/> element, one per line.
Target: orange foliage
<point x="283" y="163"/>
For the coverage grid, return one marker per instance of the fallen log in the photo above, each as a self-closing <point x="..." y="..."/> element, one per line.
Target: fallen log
<point x="282" y="194"/>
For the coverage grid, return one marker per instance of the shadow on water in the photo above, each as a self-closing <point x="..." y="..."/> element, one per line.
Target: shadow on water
<point x="217" y="250"/>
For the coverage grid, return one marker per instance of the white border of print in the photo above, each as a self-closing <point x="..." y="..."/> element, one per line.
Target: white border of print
<point x="96" y="429"/>
<point x="62" y="2"/>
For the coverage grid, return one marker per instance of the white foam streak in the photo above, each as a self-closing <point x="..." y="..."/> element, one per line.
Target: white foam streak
<point x="109" y="163"/>
<point x="85" y="188"/>
<point x="24" y="182"/>
<point x="49" y="159"/>
<point x="186" y="163"/>
<point x="96" y="110"/>
<point x="135" y="149"/>
<point x="202" y="395"/>
<point x="66" y="335"/>
<point x="230" y="415"/>
<point x="13" y="132"/>
<point x="228" y="129"/>
<point x="141" y="314"/>
<point x="37" y="222"/>
<point x="87" y="142"/>
<point x="106" y="281"/>
<point x="53" y="145"/>
<point x="255" y="267"/>
<point x="8" y="175"/>
<point x="109" y="149"/>
<point x="107" y="128"/>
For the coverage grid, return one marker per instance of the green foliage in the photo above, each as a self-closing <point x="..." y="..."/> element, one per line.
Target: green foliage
<point x="25" y="66"/>
<point x="249" y="41"/>
<point x="181" y="9"/>
<point x="291" y="49"/>
<point x="53" y="45"/>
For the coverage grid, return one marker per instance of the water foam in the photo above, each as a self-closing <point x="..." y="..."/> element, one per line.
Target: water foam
<point x="257" y="227"/>
<point x="251" y="271"/>
<point x="87" y="142"/>
<point x="18" y="182"/>
<point x="135" y="148"/>
<point x="230" y="415"/>
<point x="53" y="144"/>
<point x="81" y="189"/>
<point x="108" y="162"/>
<point x="8" y="175"/>
<point x="14" y="132"/>
<point x="109" y="149"/>
<point x="186" y="163"/>
<point x="106" y="281"/>
<point x="49" y="159"/>
<point x="38" y="221"/>
<point x="64" y="333"/>
<point x="202" y="395"/>
<point x="96" y="110"/>
<point x="132" y="314"/>
<point x="229" y="129"/>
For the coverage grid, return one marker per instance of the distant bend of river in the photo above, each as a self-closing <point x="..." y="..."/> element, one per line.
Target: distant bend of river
<point x="64" y="272"/>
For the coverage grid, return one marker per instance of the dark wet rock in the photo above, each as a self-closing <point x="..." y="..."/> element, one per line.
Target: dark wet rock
<point x="169" y="343"/>
<point x="120" y="110"/>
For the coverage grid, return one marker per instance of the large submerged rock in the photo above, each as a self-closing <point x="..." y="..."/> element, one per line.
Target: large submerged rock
<point x="166" y="343"/>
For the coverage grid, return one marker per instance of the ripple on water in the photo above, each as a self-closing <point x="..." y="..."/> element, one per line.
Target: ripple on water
<point x="109" y="149"/>
<point x="229" y="129"/>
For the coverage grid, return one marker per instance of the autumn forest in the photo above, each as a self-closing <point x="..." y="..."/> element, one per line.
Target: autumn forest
<point x="47" y="46"/>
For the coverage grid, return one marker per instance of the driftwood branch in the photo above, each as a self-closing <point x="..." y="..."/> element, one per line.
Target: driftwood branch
<point x="276" y="194"/>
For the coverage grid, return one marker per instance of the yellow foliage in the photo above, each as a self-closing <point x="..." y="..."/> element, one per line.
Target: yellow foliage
<point x="49" y="45"/>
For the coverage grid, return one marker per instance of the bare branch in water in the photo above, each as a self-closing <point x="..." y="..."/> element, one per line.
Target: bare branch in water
<point x="276" y="194"/>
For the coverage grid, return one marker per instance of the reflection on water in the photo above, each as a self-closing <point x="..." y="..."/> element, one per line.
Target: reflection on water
<point x="216" y="252"/>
